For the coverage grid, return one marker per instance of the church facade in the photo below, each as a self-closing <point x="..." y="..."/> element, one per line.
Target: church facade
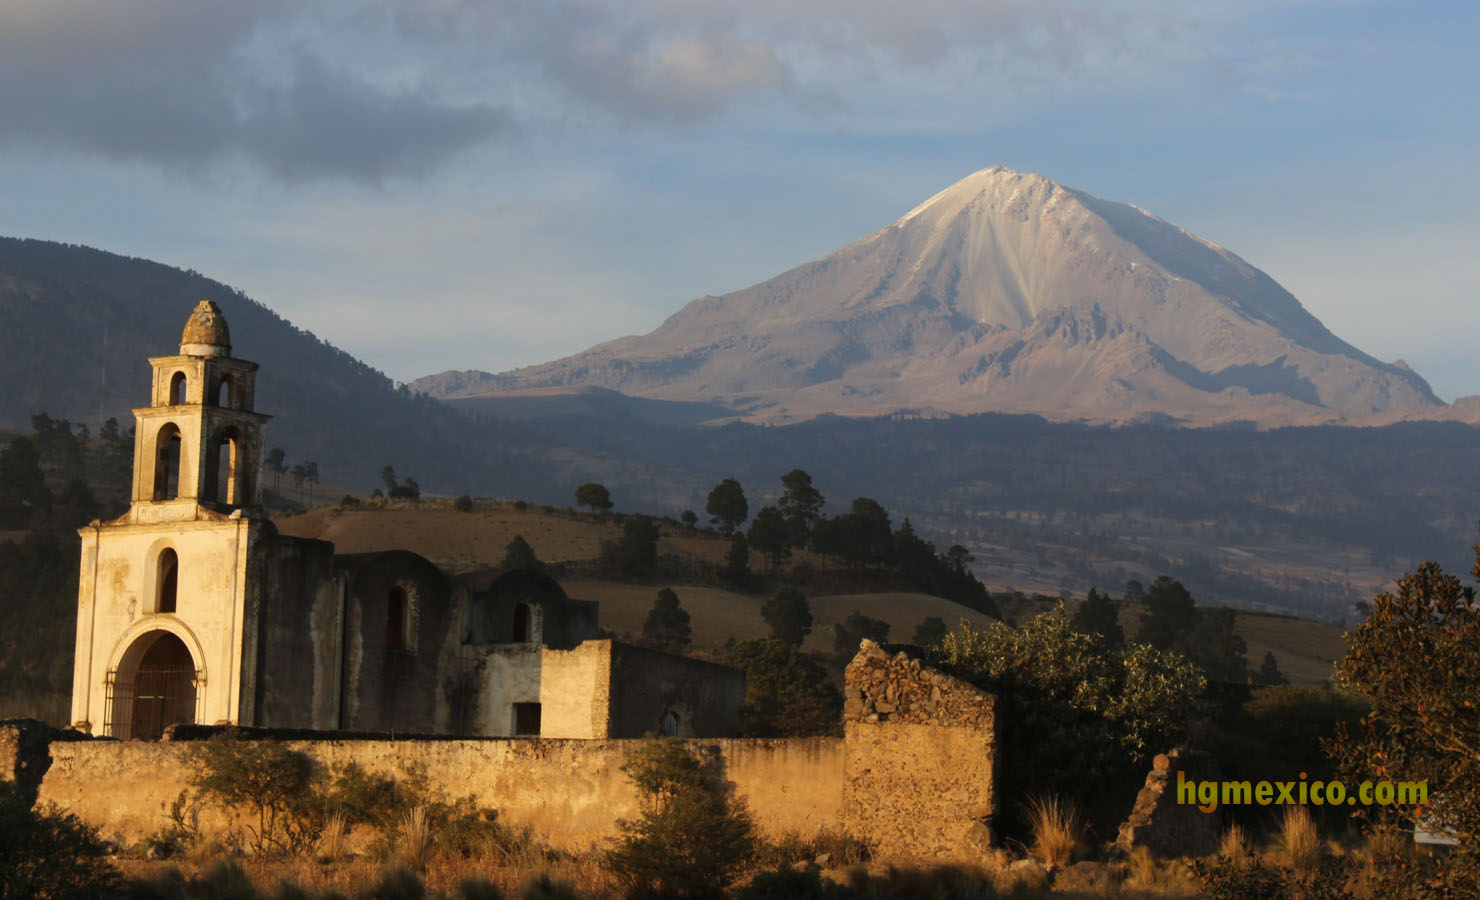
<point x="192" y="607"/>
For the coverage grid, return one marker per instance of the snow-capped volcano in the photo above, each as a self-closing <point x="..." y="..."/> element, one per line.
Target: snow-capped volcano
<point x="1003" y="292"/>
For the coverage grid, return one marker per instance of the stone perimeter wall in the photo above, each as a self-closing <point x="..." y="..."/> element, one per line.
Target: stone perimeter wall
<point x="570" y="792"/>
<point x="913" y="774"/>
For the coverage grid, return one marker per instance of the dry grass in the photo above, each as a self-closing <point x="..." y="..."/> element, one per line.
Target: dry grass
<point x="332" y="844"/>
<point x="414" y="843"/>
<point x="1299" y="840"/>
<point x="1235" y="843"/>
<point x="355" y="876"/>
<point x="1386" y="846"/>
<point x="1057" y="830"/>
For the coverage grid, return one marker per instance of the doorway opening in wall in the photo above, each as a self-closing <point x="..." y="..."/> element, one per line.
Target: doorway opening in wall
<point x="526" y="720"/>
<point x="158" y="692"/>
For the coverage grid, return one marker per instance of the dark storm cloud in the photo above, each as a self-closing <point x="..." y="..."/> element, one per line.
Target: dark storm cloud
<point x="185" y="84"/>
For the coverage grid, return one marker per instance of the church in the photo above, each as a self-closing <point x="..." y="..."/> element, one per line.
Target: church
<point x="193" y="608"/>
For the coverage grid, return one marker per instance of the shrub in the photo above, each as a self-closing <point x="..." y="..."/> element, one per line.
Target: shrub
<point x="275" y="782"/>
<point x="693" y="836"/>
<point x="463" y="503"/>
<point x="48" y="853"/>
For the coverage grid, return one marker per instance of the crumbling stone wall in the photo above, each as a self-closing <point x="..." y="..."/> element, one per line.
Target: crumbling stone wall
<point x="570" y="792"/>
<point x="919" y="758"/>
<point x="25" y="752"/>
<point x="1161" y="824"/>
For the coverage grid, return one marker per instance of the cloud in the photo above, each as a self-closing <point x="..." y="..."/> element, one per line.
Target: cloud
<point x="184" y="84"/>
<point x="369" y="90"/>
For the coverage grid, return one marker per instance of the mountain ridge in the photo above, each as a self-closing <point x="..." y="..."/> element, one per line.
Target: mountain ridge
<point x="915" y="315"/>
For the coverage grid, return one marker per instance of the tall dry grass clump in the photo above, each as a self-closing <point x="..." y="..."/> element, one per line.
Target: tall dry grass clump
<point x="415" y="840"/>
<point x="1235" y="843"/>
<point x="1299" y="839"/>
<point x="1057" y="830"/>
<point x="332" y="842"/>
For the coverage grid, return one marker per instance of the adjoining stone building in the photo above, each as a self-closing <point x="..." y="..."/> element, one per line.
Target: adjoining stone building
<point x="193" y="608"/>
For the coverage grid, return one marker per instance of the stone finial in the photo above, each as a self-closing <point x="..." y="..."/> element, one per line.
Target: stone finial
<point x="205" y="332"/>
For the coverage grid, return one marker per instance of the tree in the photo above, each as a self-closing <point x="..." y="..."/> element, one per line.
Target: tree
<point x="1086" y="719"/>
<point x="789" y="615"/>
<point x="300" y="474"/>
<point x="1099" y="615"/>
<point x="1170" y="614"/>
<point x="667" y="624"/>
<point x="959" y="557"/>
<point x="726" y="506"/>
<point x="1217" y="648"/>
<point x="770" y="535"/>
<point x="311" y="475"/>
<point x="637" y="552"/>
<point x="1416" y="659"/>
<point x="388" y="475"/>
<point x="519" y="555"/>
<point x="595" y="496"/>
<point x="693" y="837"/>
<point x="689" y="519"/>
<point x="849" y="633"/>
<point x="274" y="464"/>
<point x="23" y="494"/>
<point x="787" y="694"/>
<point x="737" y="562"/>
<point x="930" y="632"/>
<point x="800" y="505"/>
<point x="1269" y="674"/>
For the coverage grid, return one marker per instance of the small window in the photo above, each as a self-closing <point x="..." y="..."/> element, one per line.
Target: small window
<point x="523" y="626"/>
<point x="167" y="581"/>
<point x="395" y="619"/>
<point x="177" y="389"/>
<point x="527" y="719"/>
<point x="670" y="724"/>
<point x="223" y="392"/>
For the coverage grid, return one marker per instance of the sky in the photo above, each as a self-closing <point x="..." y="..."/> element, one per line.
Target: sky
<point x="484" y="184"/>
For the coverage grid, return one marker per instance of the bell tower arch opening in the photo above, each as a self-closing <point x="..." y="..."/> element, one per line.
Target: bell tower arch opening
<point x="177" y="389"/>
<point x="168" y="447"/>
<point x="223" y="472"/>
<point x="153" y="688"/>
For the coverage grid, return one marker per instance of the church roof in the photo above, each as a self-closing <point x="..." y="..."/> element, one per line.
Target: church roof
<point x="206" y="328"/>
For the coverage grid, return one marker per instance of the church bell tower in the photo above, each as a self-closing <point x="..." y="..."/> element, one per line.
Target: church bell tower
<point x="166" y="622"/>
<point x="198" y="443"/>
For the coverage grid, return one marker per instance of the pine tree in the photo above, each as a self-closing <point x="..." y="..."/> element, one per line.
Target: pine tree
<point x="519" y="555"/>
<point x="667" y="625"/>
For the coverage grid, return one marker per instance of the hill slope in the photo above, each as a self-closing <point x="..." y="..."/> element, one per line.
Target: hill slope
<point x="1005" y="292"/>
<point x="78" y="325"/>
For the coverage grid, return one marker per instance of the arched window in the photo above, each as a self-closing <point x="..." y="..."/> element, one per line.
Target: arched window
<point x="177" y="389"/>
<point x="167" y="449"/>
<point x="223" y="392"/>
<point x="395" y="619"/>
<point x="166" y="581"/>
<point x="523" y="624"/>
<point x="670" y="724"/>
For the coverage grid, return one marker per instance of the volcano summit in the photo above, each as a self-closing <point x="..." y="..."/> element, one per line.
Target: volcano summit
<point x="1005" y="292"/>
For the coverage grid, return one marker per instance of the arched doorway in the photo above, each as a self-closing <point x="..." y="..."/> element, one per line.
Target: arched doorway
<point x="152" y="689"/>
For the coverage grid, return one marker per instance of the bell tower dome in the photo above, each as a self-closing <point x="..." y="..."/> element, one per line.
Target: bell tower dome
<point x="198" y="445"/>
